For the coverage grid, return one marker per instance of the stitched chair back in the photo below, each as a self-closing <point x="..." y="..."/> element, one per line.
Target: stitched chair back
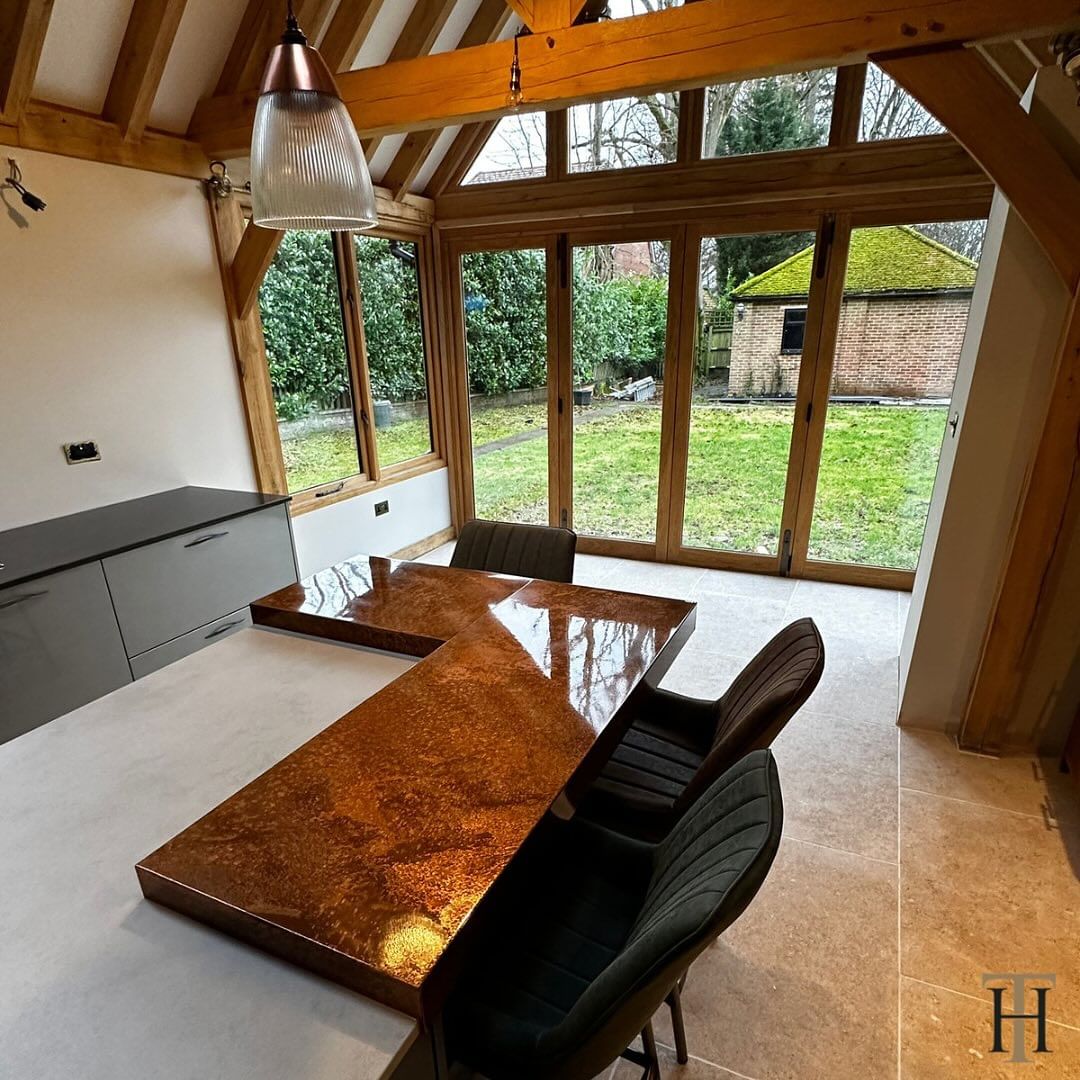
<point x="533" y="551"/>
<point x="704" y="874"/>
<point x="765" y="695"/>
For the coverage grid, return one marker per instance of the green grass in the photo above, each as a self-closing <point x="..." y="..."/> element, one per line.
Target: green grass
<point x="877" y="472"/>
<point x="323" y="457"/>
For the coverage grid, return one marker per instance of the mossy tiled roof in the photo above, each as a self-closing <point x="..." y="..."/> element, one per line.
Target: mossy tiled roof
<point x="891" y="259"/>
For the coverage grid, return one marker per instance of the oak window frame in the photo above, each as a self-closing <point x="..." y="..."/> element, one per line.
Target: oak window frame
<point x="257" y="390"/>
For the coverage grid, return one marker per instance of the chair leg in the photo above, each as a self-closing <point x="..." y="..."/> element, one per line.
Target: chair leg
<point x="648" y="1041"/>
<point x="674" y="1000"/>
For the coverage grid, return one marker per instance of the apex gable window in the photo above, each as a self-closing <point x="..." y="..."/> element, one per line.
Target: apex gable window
<point x="343" y="324"/>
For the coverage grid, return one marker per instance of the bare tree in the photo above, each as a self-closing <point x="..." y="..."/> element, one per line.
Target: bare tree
<point x="890" y="112"/>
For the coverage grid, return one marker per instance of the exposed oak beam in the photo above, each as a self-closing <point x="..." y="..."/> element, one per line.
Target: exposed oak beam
<point x="150" y="33"/>
<point x="1012" y="64"/>
<point x="547" y="14"/>
<point x="23" y="24"/>
<point x="831" y="175"/>
<point x="958" y="87"/>
<point x="252" y="259"/>
<point x="676" y="48"/>
<point x="55" y="130"/>
<point x="346" y="32"/>
<point x="489" y="21"/>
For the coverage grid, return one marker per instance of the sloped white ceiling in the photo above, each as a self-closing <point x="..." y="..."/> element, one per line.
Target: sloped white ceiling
<point x="84" y="39"/>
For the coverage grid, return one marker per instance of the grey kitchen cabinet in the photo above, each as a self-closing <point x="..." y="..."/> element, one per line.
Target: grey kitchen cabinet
<point x="154" y="659"/>
<point x="166" y="589"/>
<point x="60" y="647"/>
<point x="90" y="600"/>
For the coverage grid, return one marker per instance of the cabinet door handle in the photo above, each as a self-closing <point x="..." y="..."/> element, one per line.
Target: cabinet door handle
<point x="221" y="629"/>
<point x="206" y="539"/>
<point x="22" y="599"/>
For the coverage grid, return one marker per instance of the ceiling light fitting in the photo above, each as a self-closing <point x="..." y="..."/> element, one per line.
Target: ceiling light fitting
<point x="1066" y="47"/>
<point x="307" y="166"/>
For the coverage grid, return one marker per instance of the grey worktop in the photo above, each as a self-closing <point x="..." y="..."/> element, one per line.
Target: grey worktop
<point x="32" y="551"/>
<point x="99" y="983"/>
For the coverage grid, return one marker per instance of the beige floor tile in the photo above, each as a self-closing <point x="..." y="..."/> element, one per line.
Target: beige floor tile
<point x="946" y="1036"/>
<point x="737" y="583"/>
<point x="857" y="685"/>
<point x="864" y="618"/>
<point x="803" y="985"/>
<point x="594" y="570"/>
<point x="439" y="556"/>
<point x="700" y="673"/>
<point x="737" y="626"/>
<point x="694" y="1069"/>
<point x="985" y="890"/>
<point x="931" y="762"/>
<point x="838" y="778"/>
<point x="654" y="579"/>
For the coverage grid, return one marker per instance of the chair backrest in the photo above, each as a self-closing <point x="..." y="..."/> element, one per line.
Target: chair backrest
<point x="705" y="873"/>
<point x="764" y="696"/>
<point x="534" y="551"/>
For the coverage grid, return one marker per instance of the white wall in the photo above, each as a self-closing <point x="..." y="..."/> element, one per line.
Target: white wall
<point x="112" y="327"/>
<point x="1002" y="391"/>
<point x="419" y="508"/>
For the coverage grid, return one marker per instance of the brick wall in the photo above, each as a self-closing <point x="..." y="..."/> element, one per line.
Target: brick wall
<point x="893" y="346"/>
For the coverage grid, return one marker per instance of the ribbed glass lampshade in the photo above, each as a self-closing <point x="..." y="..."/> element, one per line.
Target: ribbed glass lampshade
<point x="307" y="166"/>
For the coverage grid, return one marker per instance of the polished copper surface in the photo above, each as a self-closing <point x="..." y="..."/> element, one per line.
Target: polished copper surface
<point x="405" y="607"/>
<point x="362" y="854"/>
<point x="295" y="66"/>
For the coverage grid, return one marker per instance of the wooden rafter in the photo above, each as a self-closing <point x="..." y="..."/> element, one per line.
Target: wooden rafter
<point x="675" y="48"/>
<point x="958" y="87"/>
<point x="417" y="36"/>
<point x="489" y="21"/>
<point x="23" y="24"/>
<point x="1012" y="64"/>
<point x="346" y="32"/>
<point x="547" y="14"/>
<point x="150" y="33"/>
<point x="468" y="142"/>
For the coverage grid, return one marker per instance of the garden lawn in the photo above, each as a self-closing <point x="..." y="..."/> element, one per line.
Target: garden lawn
<point x="877" y="472"/>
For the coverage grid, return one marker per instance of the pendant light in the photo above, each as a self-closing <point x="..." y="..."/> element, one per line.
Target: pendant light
<point x="307" y="166"/>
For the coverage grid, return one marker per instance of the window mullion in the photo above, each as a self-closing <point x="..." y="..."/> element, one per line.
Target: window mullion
<point x="356" y="347"/>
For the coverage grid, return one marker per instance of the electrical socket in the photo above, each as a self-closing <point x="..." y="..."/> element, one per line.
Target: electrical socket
<point x="78" y="452"/>
<point x="382" y="508"/>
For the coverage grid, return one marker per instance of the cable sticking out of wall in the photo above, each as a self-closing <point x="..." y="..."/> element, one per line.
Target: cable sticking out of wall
<point x="14" y="181"/>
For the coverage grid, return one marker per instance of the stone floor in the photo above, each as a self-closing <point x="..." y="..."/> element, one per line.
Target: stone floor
<point x="907" y="869"/>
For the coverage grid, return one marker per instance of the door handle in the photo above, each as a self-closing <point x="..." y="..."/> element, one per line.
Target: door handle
<point x="207" y="538"/>
<point x="15" y="600"/>
<point x="221" y="629"/>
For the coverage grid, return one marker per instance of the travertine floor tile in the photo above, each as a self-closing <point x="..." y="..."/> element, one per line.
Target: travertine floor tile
<point x="985" y="890"/>
<point x="857" y="685"/>
<point x="737" y="583"/>
<point x="803" y="986"/>
<point x="866" y="617"/>
<point x="839" y="783"/>
<point x="700" y="673"/>
<point x="694" y="1069"/>
<point x="945" y="1036"/>
<point x="930" y="762"/>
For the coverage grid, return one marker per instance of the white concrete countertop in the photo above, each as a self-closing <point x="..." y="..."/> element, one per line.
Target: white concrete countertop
<point x="98" y="983"/>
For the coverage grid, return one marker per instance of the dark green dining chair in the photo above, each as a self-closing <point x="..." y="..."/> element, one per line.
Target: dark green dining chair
<point x="532" y="551"/>
<point x="676" y="746"/>
<point x="596" y="930"/>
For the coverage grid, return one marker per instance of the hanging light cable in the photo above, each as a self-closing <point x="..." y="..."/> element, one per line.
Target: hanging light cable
<point x="307" y="166"/>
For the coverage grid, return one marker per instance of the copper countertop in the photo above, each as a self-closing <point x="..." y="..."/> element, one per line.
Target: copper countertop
<point x="389" y="604"/>
<point x="362" y="854"/>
